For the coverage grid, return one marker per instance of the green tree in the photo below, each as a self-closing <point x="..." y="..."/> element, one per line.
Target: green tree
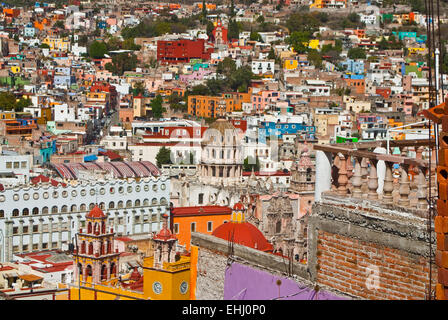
<point x="157" y="107"/>
<point x="122" y="62"/>
<point x="163" y="156"/>
<point x="255" y="36"/>
<point x="22" y="104"/>
<point x="139" y="88"/>
<point x="204" y="12"/>
<point x="129" y="44"/>
<point x="315" y="58"/>
<point x="356" y="53"/>
<point x="234" y="30"/>
<point x="226" y="67"/>
<point x="210" y="28"/>
<point x="44" y="46"/>
<point x="59" y="24"/>
<point x="97" y="49"/>
<point x="249" y="164"/>
<point x="7" y="101"/>
<point x="298" y="39"/>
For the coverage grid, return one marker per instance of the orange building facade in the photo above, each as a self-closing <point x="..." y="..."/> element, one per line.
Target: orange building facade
<point x="203" y="219"/>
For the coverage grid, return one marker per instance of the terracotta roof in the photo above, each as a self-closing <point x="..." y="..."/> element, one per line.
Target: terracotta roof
<point x="243" y="233"/>
<point x="30" y="277"/>
<point x="200" y="210"/>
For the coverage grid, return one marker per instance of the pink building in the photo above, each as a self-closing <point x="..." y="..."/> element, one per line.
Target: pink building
<point x="262" y="100"/>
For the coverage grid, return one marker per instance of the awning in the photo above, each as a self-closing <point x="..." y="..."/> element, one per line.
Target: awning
<point x="90" y="158"/>
<point x="30" y="277"/>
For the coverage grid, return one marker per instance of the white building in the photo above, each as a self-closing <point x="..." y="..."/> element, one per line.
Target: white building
<point x="44" y="216"/>
<point x="260" y="67"/>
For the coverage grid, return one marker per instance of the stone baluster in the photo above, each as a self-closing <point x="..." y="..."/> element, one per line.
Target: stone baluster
<point x="373" y="180"/>
<point x="357" y="179"/>
<point x="421" y="191"/>
<point x="349" y="168"/>
<point x="364" y="173"/>
<point x="342" y="178"/>
<point x="388" y="184"/>
<point x="404" y="186"/>
<point x="335" y="173"/>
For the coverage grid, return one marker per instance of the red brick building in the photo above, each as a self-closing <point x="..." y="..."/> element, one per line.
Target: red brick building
<point x="180" y="51"/>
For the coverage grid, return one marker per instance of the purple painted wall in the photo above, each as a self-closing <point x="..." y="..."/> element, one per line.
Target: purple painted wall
<point x="245" y="283"/>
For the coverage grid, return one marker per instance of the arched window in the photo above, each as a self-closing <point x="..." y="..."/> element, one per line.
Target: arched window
<point x="103" y="227"/>
<point x="83" y="247"/>
<point x="111" y="205"/>
<point x="91" y="206"/>
<point x="89" y="270"/>
<point x="103" y="272"/>
<point x="154" y="202"/>
<point x="64" y="208"/>
<point x="89" y="227"/>
<point x="82" y="207"/>
<point x="113" y="270"/>
<point x="146" y="202"/>
<point x="128" y="204"/>
<point x="109" y="246"/>
<point x="25" y="212"/>
<point x="96" y="228"/>
<point x="90" y="248"/>
<point x="278" y="227"/>
<point x="308" y="174"/>
<point x="45" y="210"/>
<point x="54" y="209"/>
<point x="15" y="212"/>
<point x="120" y="204"/>
<point x="73" y="208"/>
<point x="102" y="206"/>
<point x="163" y="201"/>
<point x="137" y="203"/>
<point x="101" y="248"/>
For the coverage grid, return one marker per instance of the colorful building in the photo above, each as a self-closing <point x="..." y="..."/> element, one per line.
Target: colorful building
<point x="202" y="219"/>
<point x="166" y="274"/>
<point x="181" y="51"/>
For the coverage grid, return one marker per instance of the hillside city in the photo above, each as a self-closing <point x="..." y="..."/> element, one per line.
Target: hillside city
<point x="223" y="150"/>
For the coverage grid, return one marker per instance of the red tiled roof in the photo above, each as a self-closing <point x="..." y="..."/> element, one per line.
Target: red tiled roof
<point x="123" y="239"/>
<point x="200" y="210"/>
<point x="112" y="155"/>
<point x="243" y="233"/>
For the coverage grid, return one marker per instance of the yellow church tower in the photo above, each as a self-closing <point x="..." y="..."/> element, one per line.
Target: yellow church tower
<point x="166" y="273"/>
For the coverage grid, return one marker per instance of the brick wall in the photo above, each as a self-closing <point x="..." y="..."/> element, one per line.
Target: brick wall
<point x="369" y="270"/>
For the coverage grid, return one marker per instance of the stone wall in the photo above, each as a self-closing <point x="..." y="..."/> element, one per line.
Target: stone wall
<point x="369" y="254"/>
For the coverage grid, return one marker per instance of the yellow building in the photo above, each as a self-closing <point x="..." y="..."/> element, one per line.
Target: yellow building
<point x="166" y="275"/>
<point x="60" y="44"/>
<point x="15" y="69"/>
<point x="291" y="64"/>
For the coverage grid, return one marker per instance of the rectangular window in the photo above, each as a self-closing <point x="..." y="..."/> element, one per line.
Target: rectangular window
<point x="176" y="228"/>
<point x="23" y="164"/>
<point x="193" y="227"/>
<point x="44" y="245"/>
<point x="16" y="165"/>
<point x="209" y="226"/>
<point x="54" y="245"/>
<point x="15" y="248"/>
<point x="35" y="246"/>
<point x="15" y="230"/>
<point x="25" y="229"/>
<point x="8" y="165"/>
<point x="25" y="247"/>
<point x="35" y="228"/>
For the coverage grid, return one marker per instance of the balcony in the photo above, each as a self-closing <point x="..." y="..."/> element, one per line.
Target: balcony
<point x="365" y="175"/>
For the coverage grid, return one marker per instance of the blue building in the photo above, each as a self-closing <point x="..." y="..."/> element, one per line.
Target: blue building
<point x="29" y="31"/>
<point x="353" y="66"/>
<point x="278" y="129"/>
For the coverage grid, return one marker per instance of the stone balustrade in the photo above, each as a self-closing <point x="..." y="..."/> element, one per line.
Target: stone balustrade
<point x="366" y="171"/>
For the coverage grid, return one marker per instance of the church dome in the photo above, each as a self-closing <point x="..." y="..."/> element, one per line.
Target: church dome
<point x="96" y="212"/>
<point x="222" y="125"/>
<point x="243" y="233"/>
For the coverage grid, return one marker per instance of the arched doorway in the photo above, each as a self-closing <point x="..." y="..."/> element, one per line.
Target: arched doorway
<point x="103" y="272"/>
